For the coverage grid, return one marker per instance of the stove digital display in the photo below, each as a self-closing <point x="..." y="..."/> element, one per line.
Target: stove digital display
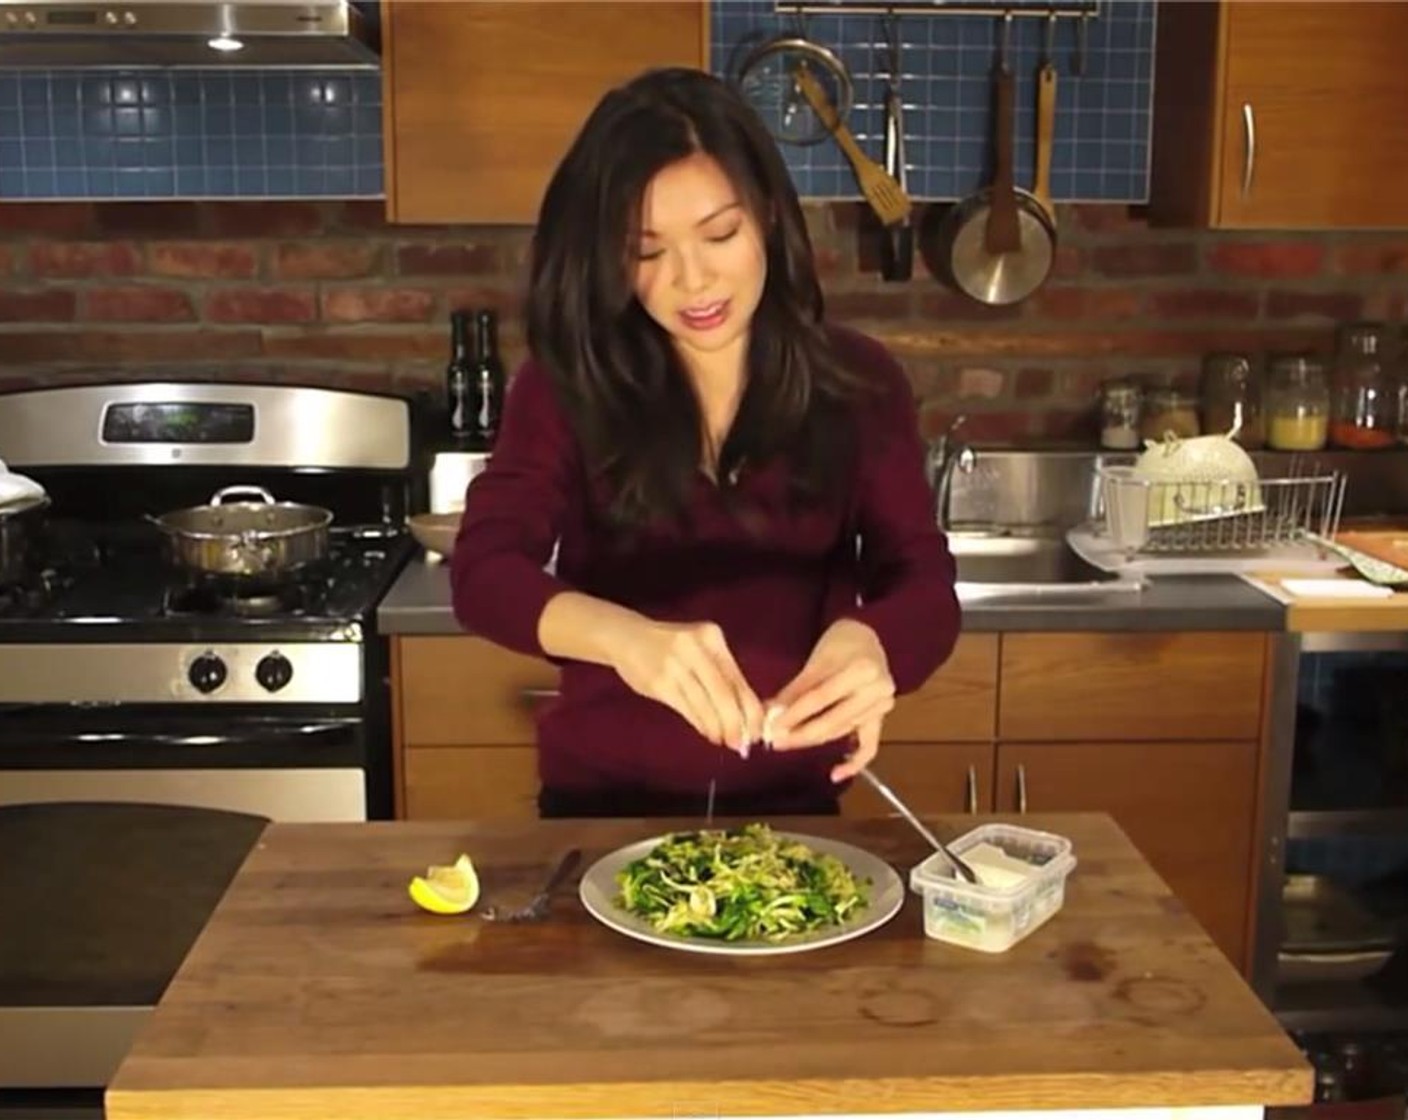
<point x="178" y="422"/>
<point x="81" y="17"/>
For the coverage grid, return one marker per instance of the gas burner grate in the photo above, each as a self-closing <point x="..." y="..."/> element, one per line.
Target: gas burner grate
<point x="33" y="593"/>
<point x="291" y="599"/>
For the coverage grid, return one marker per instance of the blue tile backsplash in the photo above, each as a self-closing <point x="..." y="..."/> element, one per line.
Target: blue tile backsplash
<point x="1101" y="147"/>
<point x="281" y="133"/>
<point x="190" y="134"/>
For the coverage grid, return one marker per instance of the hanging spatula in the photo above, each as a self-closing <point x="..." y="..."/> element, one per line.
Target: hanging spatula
<point x="886" y="197"/>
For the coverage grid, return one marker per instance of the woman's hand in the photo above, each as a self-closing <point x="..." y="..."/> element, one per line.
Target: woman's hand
<point x="689" y="667"/>
<point x="845" y="688"/>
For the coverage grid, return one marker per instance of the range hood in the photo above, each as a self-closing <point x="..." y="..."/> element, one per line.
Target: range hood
<point x="187" y="33"/>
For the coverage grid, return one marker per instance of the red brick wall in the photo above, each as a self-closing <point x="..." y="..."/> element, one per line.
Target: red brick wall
<point x="326" y="292"/>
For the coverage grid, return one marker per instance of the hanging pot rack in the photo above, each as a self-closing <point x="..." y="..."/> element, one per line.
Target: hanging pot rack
<point x="1060" y="9"/>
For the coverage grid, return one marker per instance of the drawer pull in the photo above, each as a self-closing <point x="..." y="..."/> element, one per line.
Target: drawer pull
<point x="970" y="796"/>
<point x="540" y="693"/>
<point x="1249" y="151"/>
<point x="1021" y="788"/>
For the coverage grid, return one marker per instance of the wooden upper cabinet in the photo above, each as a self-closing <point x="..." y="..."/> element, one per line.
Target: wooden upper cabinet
<point x="482" y="99"/>
<point x="1281" y="115"/>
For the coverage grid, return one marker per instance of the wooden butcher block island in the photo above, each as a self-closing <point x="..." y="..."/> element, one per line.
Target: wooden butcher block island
<point x="319" y="990"/>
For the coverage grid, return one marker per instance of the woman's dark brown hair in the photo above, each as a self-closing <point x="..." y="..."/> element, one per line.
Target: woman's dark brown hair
<point x="616" y="369"/>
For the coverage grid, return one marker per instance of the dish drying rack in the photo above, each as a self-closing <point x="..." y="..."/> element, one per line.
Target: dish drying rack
<point x="1187" y="526"/>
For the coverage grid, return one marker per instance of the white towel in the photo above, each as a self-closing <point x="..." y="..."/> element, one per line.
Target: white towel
<point x="1335" y="589"/>
<point x="17" y="487"/>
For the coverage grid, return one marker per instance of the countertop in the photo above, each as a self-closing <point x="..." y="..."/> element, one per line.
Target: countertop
<point x="1383" y="538"/>
<point x="419" y="603"/>
<point x="1348" y="614"/>
<point x="318" y="989"/>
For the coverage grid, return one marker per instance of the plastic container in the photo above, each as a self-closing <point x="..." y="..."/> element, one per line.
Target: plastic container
<point x="993" y="919"/>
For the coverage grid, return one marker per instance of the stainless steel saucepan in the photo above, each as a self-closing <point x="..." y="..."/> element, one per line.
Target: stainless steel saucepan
<point x="260" y="538"/>
<point x="999" y="243"/>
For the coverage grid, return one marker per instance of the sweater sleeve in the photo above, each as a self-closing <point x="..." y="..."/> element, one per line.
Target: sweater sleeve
<point x="512" y="518"/>
<point x="907" y="573"/>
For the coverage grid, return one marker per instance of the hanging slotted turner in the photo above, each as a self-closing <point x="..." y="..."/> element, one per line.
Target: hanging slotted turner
<point x="889" y="201"/>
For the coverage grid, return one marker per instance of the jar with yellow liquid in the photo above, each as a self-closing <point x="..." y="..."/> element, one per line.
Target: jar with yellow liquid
<point x="1297" y="403"/>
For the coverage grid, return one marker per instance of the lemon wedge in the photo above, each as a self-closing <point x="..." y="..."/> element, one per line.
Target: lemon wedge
<point x="447" y="890"/>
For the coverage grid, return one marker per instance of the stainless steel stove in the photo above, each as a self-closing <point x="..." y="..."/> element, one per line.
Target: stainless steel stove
<point x="154" y="717"/>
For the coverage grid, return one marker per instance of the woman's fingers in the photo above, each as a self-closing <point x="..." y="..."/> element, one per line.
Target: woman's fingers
<point x="867" y="747"/>
<point x="841" y="719"/>
<point x="831" y="708"/>
<point x="696" y="705"/>
<point x="822" y="694"/>
<point x="705" y="676"/>
<point x="738" y="706"/>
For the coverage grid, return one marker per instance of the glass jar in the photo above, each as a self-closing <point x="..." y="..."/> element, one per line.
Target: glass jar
<point x="1363" y="405"/>
<point x="1297" y="403"/>
<point x="1120" y="400"/>
<point x="1168" y="411"/>
<point x="1399" y="358"/>
<point x="1232" y="399"/>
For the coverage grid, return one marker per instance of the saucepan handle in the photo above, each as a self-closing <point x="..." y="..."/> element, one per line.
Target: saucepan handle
<point x="225" y="494"/>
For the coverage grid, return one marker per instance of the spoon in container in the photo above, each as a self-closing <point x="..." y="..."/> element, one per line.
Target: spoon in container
<point x="893" y="798"/>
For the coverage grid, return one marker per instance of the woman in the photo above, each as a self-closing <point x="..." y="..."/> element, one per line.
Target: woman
<point x="704" y="453"/>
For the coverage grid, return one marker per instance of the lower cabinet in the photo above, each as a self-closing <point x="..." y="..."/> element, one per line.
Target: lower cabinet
<point x="1161" y="731"/>
<point x="933" y="778"/>
<point x="463" y="728"/>
<point x="464" y="783"/>
<point x="1187" y="806"/>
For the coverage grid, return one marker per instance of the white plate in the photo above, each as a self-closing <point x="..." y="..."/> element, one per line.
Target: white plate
<point x="886" y="895"/>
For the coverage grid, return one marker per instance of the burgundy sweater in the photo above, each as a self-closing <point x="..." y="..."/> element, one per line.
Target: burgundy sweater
<point x="773" y="592"/>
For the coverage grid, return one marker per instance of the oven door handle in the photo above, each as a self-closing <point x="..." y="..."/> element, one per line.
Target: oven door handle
<point x="50" y="741"/>
<point x="309" y="734"/>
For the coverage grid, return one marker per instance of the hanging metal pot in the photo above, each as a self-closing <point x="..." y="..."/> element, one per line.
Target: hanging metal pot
<point x="19" y="525"/>
<point x="261" y="539"/>
<point x="999" y="243"/>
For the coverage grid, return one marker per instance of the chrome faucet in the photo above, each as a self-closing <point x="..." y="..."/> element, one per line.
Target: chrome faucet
<point x="947" y="453"/>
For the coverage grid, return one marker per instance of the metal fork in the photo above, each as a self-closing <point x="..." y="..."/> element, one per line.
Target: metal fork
<point x="538" y="907"/>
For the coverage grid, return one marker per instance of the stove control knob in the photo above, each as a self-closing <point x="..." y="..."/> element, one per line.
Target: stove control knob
<point x="207" y="673"/>
<point x="273" y="672"/>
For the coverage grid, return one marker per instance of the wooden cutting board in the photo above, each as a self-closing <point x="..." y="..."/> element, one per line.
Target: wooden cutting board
<point x="318" y="989"/>
<point x="1334" y="614"/>
<point x="1388" y="545"/>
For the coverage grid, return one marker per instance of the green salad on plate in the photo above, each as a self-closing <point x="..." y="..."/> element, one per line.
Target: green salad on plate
<point x="739" y="884"/>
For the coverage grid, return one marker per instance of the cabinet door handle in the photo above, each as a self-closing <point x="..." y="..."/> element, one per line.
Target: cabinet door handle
<point x="1249" y="154"/>
<point x="970" y="794"/>
<point x="539" y="693"/>
<point x="1021" y="788"/>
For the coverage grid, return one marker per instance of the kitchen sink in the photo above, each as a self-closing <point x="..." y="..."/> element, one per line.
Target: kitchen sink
<point x="1007" y="513"/>
<point x="1011" y="562"/>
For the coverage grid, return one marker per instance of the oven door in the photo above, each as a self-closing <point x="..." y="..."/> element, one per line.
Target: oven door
<point x="99" y="905"/>
<point x="284" y="765"/>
